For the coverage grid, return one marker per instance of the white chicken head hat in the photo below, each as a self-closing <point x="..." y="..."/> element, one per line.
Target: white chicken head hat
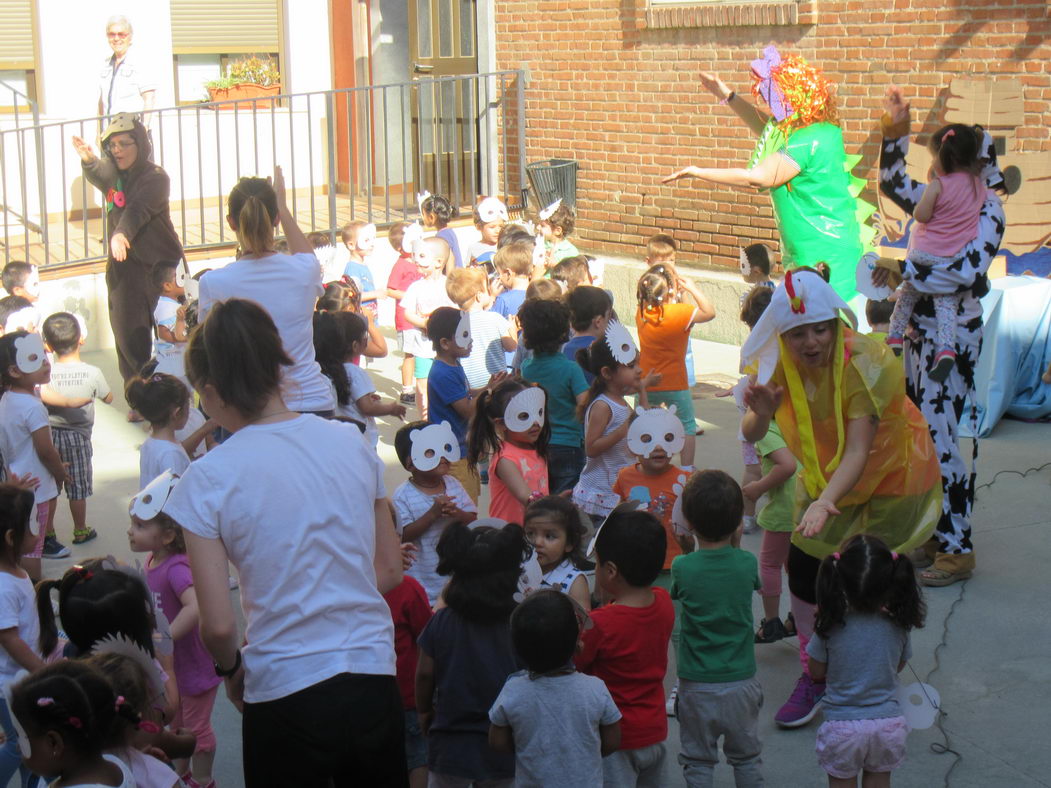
<point x="431" y="444"/>
<point x="620" y="343"/>
<point x="148" y="502"/>
<point x="656" y="428"/>
<point x="803" y="298"/>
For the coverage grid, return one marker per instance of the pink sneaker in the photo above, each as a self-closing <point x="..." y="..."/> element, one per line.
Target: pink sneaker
<point x="896" y="344"/>
<point x="801" y="705"/>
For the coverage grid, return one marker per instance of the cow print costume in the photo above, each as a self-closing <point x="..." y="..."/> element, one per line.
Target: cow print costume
<point x="943" y="404"/>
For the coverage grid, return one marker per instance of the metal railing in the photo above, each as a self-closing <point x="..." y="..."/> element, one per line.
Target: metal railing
<point x="356" y="153"/>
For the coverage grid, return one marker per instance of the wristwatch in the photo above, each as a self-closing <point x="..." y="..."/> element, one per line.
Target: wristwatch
<point x="228" y="673"/>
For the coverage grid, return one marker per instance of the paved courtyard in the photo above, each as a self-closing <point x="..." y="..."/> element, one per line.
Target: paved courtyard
<point x="986" y="646"/>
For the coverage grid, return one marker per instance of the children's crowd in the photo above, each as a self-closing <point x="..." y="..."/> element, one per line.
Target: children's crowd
<point x="531" y="639"/>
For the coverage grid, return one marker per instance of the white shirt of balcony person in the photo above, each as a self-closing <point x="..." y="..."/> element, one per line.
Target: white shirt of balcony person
<point x="126" y="84"/>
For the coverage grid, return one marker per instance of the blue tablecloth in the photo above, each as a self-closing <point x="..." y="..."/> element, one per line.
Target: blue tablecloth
<point x="1015" y="353"/>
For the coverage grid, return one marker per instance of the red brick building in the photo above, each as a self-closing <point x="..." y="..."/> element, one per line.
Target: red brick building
<point x="612" y="83"/>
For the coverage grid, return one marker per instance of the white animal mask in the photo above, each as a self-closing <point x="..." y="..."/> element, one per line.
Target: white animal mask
<point x="422" y="254"/>
<point x="863" y="277"/>
<point x="920" y="704"/>
<point x="746" y="267"/>
<point x="29" y="353"/>
<point x="539" y="252"/>
<point x="463" y="331"/>
<point x="431" y="444"/>
<point x="491" y="209"/>
<point x="525" y="409"/>
<point x="549" y="211"/>
<point x="180" y="277"/>
<point x="620" y="343"/>
<point x="421" y="198"/>
<point x="656" y="428"/>
<point x="148" y="503"/>
<point x="24" y="745"/>
<point x="365" y="238"/>
<point x="32" y="284"/>
<point x="413" y="233"/>
<point x="626" y="506"/>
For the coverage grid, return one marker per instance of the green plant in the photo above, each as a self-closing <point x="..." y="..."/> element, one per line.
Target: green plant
<point x="252" y="69"/>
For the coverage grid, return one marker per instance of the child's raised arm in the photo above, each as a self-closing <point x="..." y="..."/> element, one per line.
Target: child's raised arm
<point x="705" y="310"/>
<point x="371" y="405"/>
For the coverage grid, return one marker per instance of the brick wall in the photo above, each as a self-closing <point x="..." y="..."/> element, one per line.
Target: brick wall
<point x="609" y="88"/>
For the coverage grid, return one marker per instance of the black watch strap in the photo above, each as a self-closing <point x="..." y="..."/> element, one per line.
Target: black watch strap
<point x="227" y="673"/>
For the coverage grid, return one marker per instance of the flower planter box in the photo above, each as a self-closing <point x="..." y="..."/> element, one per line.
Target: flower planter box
<point x="252" y="95"/>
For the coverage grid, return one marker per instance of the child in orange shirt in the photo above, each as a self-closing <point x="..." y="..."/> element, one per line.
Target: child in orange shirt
<point x="664" y="334"/>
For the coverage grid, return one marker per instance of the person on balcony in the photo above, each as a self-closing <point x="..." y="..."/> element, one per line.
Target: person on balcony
<point x="126" y="84"/>
<point x="140" y="230"/>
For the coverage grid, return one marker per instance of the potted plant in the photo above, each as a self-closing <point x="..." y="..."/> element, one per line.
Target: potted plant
<point x="248" y="78"/>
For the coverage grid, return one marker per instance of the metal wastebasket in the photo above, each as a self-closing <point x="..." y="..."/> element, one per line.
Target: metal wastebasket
<point x="554" y="179"/>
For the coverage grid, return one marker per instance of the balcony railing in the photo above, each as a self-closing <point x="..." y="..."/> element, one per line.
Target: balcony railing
<point x="357" y="153"/>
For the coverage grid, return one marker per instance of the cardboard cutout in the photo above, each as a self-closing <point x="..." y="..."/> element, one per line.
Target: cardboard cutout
<point x="920" y="704"/>
<point x="463" y="331"/>
<point x="620" y="343"/>
<point x="491" y="209"/>
<point x="656" y="428"/>
<point x="530" y="579"/>
<point x="149" y="501"/>
<point x="431" y="444"/>
<point x="549" y="211"/>
<point x="525" y="409"/>
<point x="29" y="353"/>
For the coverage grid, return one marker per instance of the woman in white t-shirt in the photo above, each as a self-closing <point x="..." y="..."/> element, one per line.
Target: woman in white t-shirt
<point x="286" y="499"/>
<point x="285" y="285"/>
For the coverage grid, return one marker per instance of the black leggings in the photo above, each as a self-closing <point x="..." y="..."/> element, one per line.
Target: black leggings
<point x="802" y="575"/>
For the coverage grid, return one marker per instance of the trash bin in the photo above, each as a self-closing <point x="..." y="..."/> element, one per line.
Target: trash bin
<point x="554" y="179"/>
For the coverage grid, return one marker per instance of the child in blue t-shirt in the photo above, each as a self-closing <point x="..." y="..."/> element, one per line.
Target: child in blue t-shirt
<point x="545" y="328"/>
<point x="360" y="239"/>
<point x="449" y="397"/>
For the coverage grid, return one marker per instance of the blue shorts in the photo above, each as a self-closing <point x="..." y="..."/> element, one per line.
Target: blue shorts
<point x="421" y="367"/>
<point x="683" y="402"/>
<point x="415" y="743"/>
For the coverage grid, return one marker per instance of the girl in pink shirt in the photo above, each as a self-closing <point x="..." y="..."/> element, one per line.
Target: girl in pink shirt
<point x="511" y="422"/>
<point x="946" y="221"/>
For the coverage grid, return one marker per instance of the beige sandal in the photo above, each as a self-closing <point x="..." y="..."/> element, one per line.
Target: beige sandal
<point x="939" y="577"/>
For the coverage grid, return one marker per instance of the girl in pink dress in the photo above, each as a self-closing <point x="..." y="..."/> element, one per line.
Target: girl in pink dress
<point x="511" y="422"/>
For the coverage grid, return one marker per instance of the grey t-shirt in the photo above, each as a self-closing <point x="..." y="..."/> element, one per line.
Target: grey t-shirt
<point x="863" y="657"/>
<point x="76" y="379"/>
<point x="555" y="722"/>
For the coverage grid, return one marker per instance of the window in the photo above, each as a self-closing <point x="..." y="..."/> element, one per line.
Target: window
<point x="727" y="13"/>
<point x="208" y="34"/>
<point x="17" y="54"/>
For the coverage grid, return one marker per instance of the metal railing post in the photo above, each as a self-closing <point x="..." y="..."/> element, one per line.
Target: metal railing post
<point x="520" y="119"/>
<point x="330" y="130"/>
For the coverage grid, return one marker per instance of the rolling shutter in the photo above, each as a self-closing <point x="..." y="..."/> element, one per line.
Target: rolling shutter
<point x="225" y="26"/>
<point x="16" y="34"/>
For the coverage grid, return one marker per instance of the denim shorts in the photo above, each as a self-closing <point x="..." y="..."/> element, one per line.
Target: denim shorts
<point x="415" y="743"/>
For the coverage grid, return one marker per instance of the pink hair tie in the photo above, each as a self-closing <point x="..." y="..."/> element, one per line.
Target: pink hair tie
<point x="149" y="727"/>
<point x="119" y="702"/>
<point x="76" y="723"/>
<point x="893" y="555"/>
<point x="43" y="702"/>
<point x="949" y="133"/>
<point x="835" y="556"/>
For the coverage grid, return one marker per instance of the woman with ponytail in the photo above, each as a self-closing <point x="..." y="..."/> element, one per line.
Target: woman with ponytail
<point x="286" y="285"/>
<point x="297" y="504"/>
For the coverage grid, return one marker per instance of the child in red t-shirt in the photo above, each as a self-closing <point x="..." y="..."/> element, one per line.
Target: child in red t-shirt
<point x="627" y="646"/>
<point x="403" y="274"/>
<point x="410" y="611"/>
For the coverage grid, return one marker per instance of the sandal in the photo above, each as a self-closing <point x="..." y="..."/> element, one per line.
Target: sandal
<point x="790" y="626"/>
<point x="935" y="577"/>
<point x="81" y="535"/>
<point x="770" y="631"/>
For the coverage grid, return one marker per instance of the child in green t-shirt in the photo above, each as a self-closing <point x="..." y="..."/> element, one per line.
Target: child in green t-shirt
<point x="719" y="694"/>
<point x="778" y="466"/>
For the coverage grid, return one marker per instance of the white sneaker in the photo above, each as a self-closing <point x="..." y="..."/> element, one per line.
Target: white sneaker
<point x="673" y="699"/>
<point x="750" y="525"/>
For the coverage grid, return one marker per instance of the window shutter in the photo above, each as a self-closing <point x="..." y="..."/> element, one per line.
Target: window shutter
<point x="16" y="34"/>
<point x="225" y="26"/>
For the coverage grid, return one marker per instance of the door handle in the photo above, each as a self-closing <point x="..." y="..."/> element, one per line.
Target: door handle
<point x="422" y="68"/>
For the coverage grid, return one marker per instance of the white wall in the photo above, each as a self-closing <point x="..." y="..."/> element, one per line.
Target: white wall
<point x="308" y="46"/>
<point x="72" y="50"/>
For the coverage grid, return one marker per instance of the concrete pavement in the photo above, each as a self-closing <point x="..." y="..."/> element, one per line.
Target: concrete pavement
<point x="986" y="646"/>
